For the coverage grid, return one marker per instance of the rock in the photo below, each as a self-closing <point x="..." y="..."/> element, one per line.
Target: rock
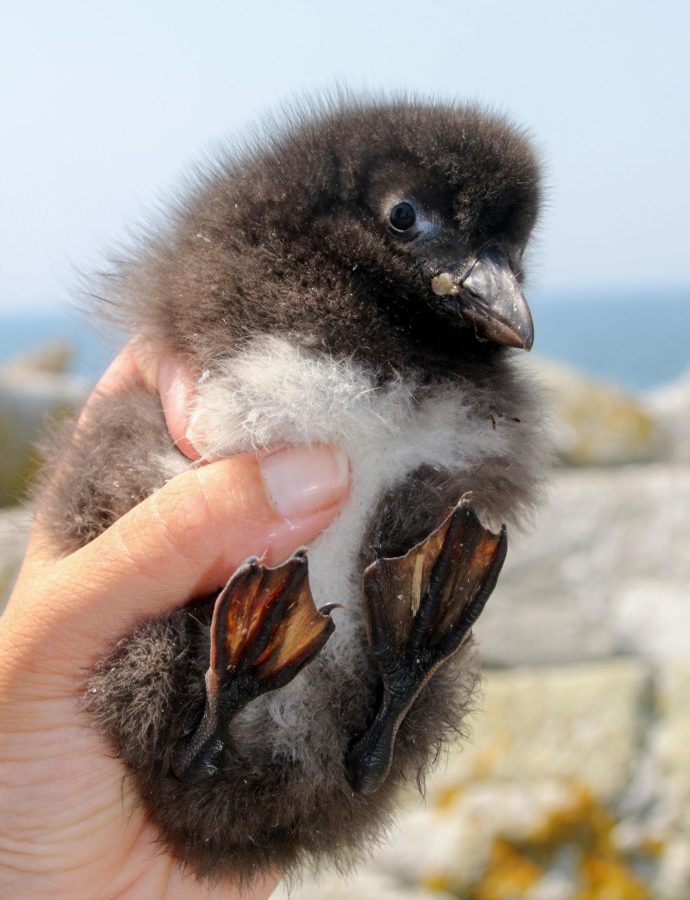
<point x="459" y="825"/>
<point x="55" y="357"/>
<point x="670" y="407"/>
<point x="14" y="531"/>
<point x="673" y="741"/>
<point x="537" y="840"/>
<point x="595" y="423"/>
<point x="674" y="701"/>
<point x="542" y="723"/>
<point x="367" y="885"/>
<point x="29" y="397"/>
<point x="651" y="619"/>
<point x="608" y="551"/>
<point x="531" y="809"/>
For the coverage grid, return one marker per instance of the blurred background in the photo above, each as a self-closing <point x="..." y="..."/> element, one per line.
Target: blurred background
<point x="577" y="781"/>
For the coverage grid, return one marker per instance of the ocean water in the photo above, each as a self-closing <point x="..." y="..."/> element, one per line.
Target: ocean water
<point x="638" y="339"/>
<point x="94" y="344"/>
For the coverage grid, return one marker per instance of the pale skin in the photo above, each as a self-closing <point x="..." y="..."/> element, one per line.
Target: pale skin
<point x="70" y="822"/>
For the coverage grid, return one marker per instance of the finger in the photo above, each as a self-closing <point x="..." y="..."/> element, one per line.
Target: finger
<point x="176" y="388"/>
<point x="184" y="542"/>
<point x="134" y="366"/>
<point x="137" y="365"/>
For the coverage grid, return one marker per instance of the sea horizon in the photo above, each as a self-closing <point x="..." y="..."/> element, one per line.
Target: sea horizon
<point x="638" y="339"/>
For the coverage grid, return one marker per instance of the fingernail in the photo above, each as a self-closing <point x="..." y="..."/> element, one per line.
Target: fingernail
<point x="175" y="390"/>
<point x="306" y="479"/>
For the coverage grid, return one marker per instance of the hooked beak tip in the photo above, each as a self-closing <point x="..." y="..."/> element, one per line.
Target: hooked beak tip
<point x="524" y="343"/>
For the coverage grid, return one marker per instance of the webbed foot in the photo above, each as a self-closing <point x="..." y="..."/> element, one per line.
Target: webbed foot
<point x="265" y="629"/>
<point x="419" y="610"/>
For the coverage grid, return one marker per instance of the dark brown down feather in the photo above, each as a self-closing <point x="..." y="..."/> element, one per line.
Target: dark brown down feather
<point x="283" y="239"/>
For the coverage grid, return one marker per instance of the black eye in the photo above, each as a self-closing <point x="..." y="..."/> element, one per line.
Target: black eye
<point x="402" y="217"/>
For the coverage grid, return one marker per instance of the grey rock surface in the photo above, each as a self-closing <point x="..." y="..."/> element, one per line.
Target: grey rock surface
<point x="33" y="390"/>
<point x="575" y="785"/>
<point x="14" y="531"/>
<point x="673" y="750"/>
<point x="595" y="423"/>
<point x="374" y="884"/>
<point x="605" y="570"/>
<point x="670" y="407"/>
<point x="543" y="722"/>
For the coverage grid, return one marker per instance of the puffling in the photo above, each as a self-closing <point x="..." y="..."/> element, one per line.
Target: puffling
<point x="353" y="277"/>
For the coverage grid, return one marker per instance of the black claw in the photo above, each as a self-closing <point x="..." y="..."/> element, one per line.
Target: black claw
<point x="328" y="608"/>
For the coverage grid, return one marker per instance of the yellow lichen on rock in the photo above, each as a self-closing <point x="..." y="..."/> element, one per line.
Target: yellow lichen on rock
<point x="509" y="875"/>
<point x="596" y="423"/>
<point x="581" y="832"/>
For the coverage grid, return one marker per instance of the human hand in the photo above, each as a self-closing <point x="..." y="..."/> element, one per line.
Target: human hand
<point x="70" y="821"/>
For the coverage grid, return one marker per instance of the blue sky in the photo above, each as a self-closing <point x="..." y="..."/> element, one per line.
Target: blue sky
<point x="105" y="104"/>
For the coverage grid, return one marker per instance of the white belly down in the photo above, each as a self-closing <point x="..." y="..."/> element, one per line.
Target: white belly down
<point x="273" y="393"/>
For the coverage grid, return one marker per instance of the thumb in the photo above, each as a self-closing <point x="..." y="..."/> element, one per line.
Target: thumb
<point x="182" y="542"/>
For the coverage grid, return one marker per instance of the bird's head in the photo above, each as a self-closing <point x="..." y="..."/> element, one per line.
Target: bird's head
<point x="393" y="231"/>
<point x="465" y="284"/>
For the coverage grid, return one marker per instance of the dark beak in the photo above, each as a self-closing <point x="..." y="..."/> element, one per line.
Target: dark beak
<point x="488" y="296"/>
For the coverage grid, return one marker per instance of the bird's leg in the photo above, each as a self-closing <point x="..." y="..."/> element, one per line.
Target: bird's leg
<point x="419" y="610"/>
<point x="265" y="629"/>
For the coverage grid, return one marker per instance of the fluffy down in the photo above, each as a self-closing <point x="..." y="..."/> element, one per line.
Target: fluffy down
<point x="277" y="280"/>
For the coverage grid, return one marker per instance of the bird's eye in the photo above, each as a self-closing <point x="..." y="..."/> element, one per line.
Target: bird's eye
<point x="402" y="217"/>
